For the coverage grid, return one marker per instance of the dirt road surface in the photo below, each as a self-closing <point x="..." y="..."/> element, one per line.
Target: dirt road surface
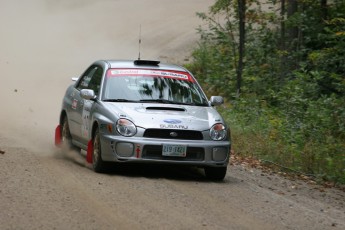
<point x="43" y="43"/>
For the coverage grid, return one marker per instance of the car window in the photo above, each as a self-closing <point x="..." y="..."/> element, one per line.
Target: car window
<point x="148" y="85"/>
<point x="91" y="79"/>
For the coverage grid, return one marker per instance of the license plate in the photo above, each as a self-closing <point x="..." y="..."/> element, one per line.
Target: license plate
<point x="174" y="150"/>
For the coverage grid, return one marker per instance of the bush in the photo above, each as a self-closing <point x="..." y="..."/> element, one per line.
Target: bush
<point x="292" y="106"/>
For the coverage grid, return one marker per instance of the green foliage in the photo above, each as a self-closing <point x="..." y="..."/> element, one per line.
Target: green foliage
<point x="292" y="107"/>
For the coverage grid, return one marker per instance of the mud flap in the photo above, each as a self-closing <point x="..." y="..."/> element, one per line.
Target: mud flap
<point x="58" y="136"/>
<point x="89" y="151"/>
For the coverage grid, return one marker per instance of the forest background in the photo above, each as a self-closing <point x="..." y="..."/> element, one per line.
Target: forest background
<point x="280" y="65"/>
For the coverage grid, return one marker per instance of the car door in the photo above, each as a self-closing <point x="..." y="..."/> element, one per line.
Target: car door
<point x="91" y="79"/>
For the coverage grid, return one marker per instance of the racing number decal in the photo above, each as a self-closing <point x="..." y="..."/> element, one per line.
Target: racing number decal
<point x="74" y="104"/>
<point x="85" y="118"/>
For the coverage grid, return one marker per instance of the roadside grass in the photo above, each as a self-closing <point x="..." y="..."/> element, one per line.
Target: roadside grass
<point x="265" y="137"/>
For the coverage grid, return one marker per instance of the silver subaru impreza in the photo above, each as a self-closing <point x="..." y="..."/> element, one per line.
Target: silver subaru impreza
<point x="146" y="112"/>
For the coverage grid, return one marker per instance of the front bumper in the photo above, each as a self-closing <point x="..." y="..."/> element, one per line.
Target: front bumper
<point x="149" y="150"/>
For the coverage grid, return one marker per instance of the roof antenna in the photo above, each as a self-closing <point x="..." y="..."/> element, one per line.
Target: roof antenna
<point x="139" y="41"/>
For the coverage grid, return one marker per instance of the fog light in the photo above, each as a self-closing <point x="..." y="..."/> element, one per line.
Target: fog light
<point x="219" y="154"/>
<point x="124" y="149"/>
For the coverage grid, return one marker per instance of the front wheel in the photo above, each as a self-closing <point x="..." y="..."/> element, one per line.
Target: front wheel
<point x="66" y="137"/>
<point x="97" y="163"/>
<point x="215" y="173"/>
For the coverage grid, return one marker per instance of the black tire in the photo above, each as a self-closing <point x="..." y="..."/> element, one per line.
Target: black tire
<point x="98" y="164"/>
<point x="66" y="137"/>
<point x="215" y="173"/>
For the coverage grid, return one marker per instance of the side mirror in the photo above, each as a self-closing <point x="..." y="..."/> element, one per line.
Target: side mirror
<point x="216" y="100"/>
<point x="87" y="94"/>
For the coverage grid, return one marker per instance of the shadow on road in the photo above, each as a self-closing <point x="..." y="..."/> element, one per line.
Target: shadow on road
<point x="147" y="170"/>
<point x="175" y="172"/>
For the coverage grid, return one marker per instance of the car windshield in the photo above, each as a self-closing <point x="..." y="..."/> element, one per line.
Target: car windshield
<point x="152" y="86"/>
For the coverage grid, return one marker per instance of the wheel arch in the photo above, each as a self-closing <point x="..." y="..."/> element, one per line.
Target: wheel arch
<point x="63" y="115"/>
<point x="95" y="126"/>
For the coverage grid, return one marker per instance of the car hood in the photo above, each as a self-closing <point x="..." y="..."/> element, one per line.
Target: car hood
<point x="166" y="116"/>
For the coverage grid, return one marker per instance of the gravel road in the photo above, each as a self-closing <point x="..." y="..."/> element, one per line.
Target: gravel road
<point x="43" y="44"/>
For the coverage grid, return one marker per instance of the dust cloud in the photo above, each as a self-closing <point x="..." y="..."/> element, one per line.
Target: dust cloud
<point x="44" y="43"/>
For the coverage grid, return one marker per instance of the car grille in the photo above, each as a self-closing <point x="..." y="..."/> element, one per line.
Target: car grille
<point x="155" y="152"/>
<point x="173" y="134"/>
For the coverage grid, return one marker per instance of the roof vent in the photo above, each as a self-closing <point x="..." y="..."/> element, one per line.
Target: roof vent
<point x="146" y="62"/>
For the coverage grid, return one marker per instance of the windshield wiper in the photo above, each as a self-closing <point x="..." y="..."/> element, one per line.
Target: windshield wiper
<point x="168" y="102"/>
<point x="118" y="100"/>
<point x="164" y="101"/>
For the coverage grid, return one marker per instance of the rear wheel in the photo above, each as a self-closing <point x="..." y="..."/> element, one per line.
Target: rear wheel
<point x="215" y="173"/>
<point x="66" y="137"/>
<point x="97" y="163"/>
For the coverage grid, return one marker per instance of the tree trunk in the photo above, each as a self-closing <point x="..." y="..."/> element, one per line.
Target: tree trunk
<point x="282" y="44"/>
<point x="324" y="10"/>
<point x="292" y="8"/>
<point x="292" y="35"/>
<point x="241" y="48"/>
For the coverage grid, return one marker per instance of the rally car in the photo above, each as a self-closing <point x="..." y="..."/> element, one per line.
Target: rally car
<point x="146" y="112"/>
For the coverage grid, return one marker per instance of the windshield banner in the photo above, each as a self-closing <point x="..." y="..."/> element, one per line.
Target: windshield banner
<point x="148" y="72"/>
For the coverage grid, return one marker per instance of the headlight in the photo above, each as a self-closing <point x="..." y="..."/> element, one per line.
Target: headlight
<point x="125" y="127"/>
<point x="218" y="132"/>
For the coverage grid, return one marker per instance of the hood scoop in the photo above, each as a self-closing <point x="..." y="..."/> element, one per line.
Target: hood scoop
<point x="161" y="108"/>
